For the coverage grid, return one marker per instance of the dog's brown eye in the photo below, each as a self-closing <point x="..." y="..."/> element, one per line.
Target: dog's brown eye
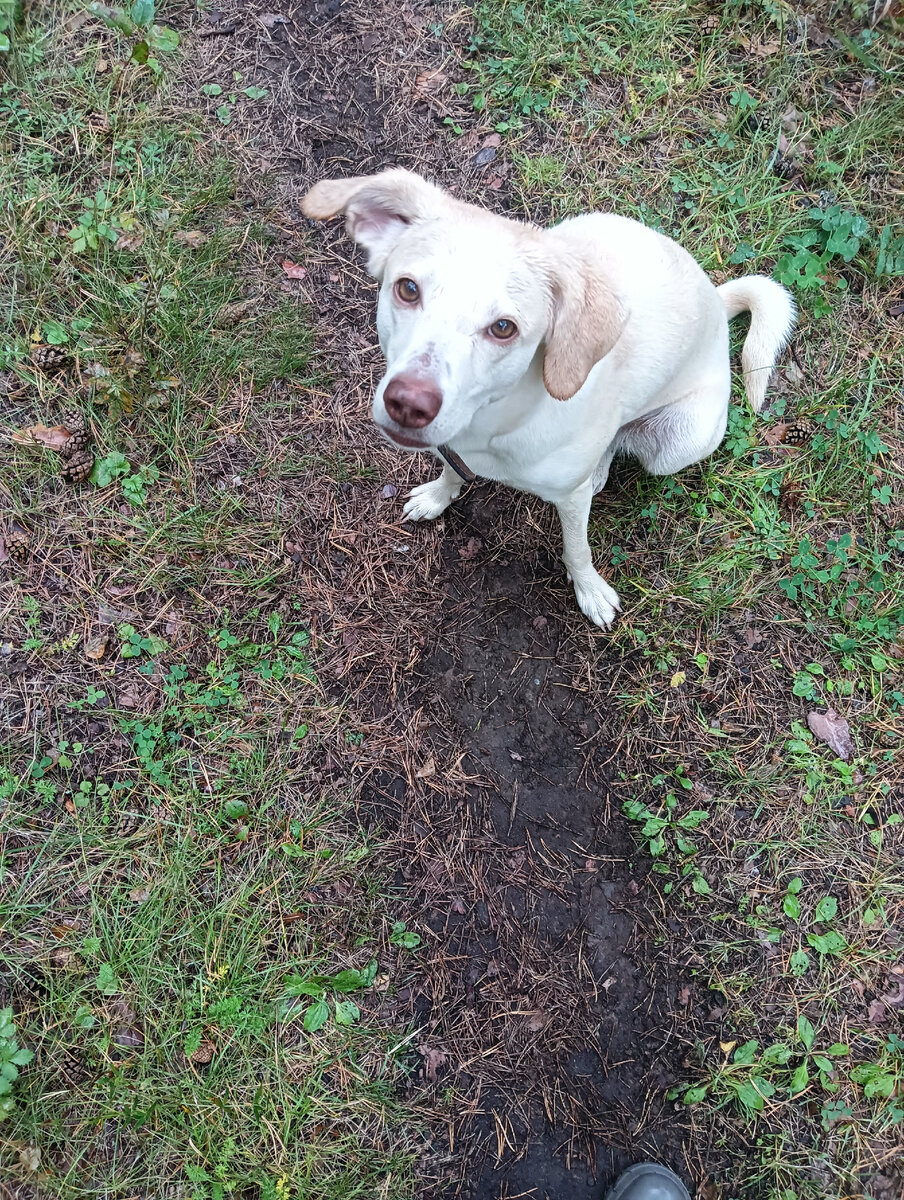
<point x="503" y="329"/>
<point x="407" y="291"/>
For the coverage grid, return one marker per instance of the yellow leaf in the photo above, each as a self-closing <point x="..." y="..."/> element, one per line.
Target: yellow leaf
<point x="727" y="1047"/>
<point x="678" y="678"/>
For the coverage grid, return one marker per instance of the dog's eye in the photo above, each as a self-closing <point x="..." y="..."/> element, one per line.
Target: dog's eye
<point x="503" y="330"/>
<point x="407" y="291"/>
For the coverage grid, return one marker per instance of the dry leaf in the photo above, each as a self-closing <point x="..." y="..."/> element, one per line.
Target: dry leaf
<point x="775" y="434"/>
<point x="30" y="1159"/>
<point x="894" y="999"/>
<point x="193" y="238"/>
<point x="427" y="770"/>
<point x="471" y="549"/>
<point x="230" y="314"/>
<point x="433" y="1060"/>
<point x="129" y="696"/>
<point x="429" y="82"/>
<point x="268" y="20"/>
<point x="139" y="894"/>
<point x="293" y="270"/>
<point x="537" y="1021"/>
<point x="877" y="1014"/>
<point x="54" y="438"/>
<point x="129" y="241"/>
<point x="204" y="1052"/>
<point x="677" y="679"/>
<point x="727" y="1047"/>
<point x="96" y="647"/>
<point x="832" y="729"/>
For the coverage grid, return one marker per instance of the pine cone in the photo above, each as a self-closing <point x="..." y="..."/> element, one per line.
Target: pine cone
<point x="78" y="442"/>
<point x="50" y="358"/>
<point x="74" y="421"/>
<point x="77" y="467"/>
<point x="798" y="433"/>
<point x="18" y="544"/>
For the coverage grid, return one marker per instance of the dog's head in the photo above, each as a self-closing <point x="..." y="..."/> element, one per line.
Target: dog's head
<point x="467" y="300"/>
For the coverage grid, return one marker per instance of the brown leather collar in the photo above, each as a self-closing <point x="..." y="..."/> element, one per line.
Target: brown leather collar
<point x="456" y="464"/>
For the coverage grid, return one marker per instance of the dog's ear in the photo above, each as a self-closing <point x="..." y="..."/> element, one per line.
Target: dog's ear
<point x="585" y="323"/>
<point x="378" y="208"/>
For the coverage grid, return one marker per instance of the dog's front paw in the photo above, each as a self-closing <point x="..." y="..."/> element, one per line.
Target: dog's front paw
<point x="428" y="500"/>
<point x="597" y="600"/>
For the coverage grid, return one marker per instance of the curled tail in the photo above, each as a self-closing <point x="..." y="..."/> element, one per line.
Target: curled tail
<point x="772" y="315"/>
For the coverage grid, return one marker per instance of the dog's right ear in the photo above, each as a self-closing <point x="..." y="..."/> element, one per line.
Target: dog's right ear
<point x="378" y="208"/>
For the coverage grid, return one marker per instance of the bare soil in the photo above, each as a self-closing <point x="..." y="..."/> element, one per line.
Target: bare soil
<point x="544" y="1011"/>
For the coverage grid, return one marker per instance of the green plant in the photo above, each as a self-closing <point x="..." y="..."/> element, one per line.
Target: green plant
<point x="138" y="22"/>
<point x="666" y="830"/>
<point x="403" y="936"/>
<point x="12" y="1057"/>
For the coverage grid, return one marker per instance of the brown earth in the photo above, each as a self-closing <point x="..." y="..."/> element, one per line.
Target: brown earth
<point x="545" y="1014"/>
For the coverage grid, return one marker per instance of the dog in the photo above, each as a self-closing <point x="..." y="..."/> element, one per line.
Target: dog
<point x="533" y="356"/>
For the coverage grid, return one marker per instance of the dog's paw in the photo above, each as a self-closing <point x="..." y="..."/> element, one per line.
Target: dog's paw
<point x="428" y="500"/>
<point x="597" y="600"/>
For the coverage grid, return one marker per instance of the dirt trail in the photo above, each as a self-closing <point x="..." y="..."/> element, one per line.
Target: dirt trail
<point x="543" y="1007"/>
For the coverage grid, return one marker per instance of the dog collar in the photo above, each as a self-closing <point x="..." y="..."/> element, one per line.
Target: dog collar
<point x="456" y="464"/>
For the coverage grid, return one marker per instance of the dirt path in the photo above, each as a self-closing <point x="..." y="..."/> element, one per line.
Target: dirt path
<point x="545" y="1012"/>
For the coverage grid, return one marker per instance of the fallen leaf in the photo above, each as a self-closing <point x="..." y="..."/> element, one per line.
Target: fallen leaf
<point x="231" y="314"/>
<point x="514" y="756"/>
<point x="471" y="548"/>
<point x="433" y="1060"/>
<point x="204" y="1053"/>
<point x="775" y="434"/>
<point x="133" y="360"/>
<point x="96" y="647"/>
<point x="493" y="139"/>
<point x="129" y="241"/>
<point x="128" y="1036"/>
<point x="832" y="729"/>
<point x="684" y="997"/>
<point x="268" y="20"/>
<point x="877" y="1013"/>
<point x="495" y="183"/>
<point x="537" y="1021"/>
<point x="727" y="1047"/>
<point x="427" y="770"/>
<point x="192" y="238"/>
<point x="539" y="623"/>
<point x="293" y="270"/>
<point x="677" y="679"/>
<point x="894" y="999"/>
<point x="458" y="906"/>
<point x="129" y="696"/>
<point x="429" y="82"/>
<point x="139" y="895"/>
<point x="54" y="438"/>
<point x="4" y="556"/>
<point x="30" y="1159"/>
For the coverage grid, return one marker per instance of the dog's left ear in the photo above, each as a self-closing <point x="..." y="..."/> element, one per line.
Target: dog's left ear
<point x="585" y="324"/>
<point x="378" y="208"/>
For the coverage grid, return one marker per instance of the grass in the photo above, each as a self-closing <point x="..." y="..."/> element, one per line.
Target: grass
<point x="196" y="936"/>
<point x="764" y="584"/>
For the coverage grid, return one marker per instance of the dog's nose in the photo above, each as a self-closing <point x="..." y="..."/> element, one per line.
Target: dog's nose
<point x="411" y="401"/>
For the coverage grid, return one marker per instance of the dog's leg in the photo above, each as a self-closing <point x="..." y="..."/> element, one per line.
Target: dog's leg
<point x="428" y="500"/>
<point x="595" y="598"/>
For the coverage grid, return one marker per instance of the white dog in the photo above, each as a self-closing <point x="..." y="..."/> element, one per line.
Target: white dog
<point x="534" y="356"/>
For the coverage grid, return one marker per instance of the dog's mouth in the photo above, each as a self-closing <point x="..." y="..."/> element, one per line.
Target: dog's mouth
<point x="402" y="439"/>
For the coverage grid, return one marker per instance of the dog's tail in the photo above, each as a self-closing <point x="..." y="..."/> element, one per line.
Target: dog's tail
<point x="772" y="315"/>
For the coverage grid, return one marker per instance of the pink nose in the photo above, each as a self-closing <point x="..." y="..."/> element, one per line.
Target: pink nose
<point x="411" y="401"/>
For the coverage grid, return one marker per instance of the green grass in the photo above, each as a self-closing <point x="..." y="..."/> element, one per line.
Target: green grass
<point x="764" y="583"/>
<point x="195" y="933"/>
